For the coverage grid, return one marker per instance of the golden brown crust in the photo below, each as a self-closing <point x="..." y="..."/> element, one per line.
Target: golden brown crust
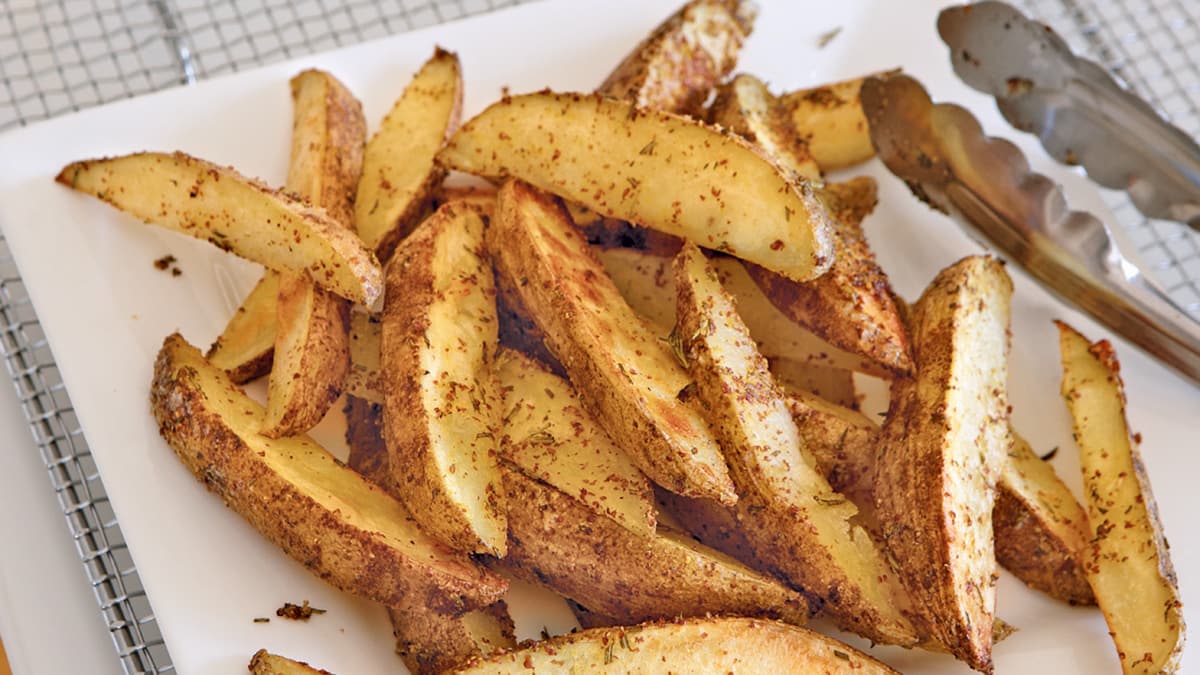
<point x="676" y="67"/>
<point x="851" y="305"/>
<point x="266" y="663"/>
<point x="943" y="449"/>
<point x="203" y="200"/>
<point x="213" y="428"/>
<point x="830" y="119"/>
<point x="430" y="643"/>
<point x="438" y="342"/>
<point x="745" y="107"/>
<point x="557" y="542"/>
<point x="625" y="375"/>
<point x="843" y="442"/>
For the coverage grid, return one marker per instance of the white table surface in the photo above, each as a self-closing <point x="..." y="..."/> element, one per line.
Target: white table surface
<point x="49" y="619"/>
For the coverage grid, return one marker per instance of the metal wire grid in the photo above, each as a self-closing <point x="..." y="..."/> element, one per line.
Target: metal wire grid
<point x="62" y="56"/>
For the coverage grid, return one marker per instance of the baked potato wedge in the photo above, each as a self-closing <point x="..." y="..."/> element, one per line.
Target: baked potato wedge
<point x="399" y="174"/>
<point x="851" y="306"/>
<point x="794" y="521"/>
<point x="441" y="420"/>
<point x="663" y="171"/>
<point x="942" y="451"/>
<point x="831" y="121"/>
<point x="626" y="377"/>
<point x="1041" y="530"/>
<point x="365" y="379"/>
<point x="644" y="279"/>
<point x="549" y="436"/>
<point x="703" y="645"/>
<point x="234" y="213"/>
<point x="266" y="663"/>
<point x="746" y="107"/>
<point x="557" y="542"/>
<point x="246" y="347"/>
<point x="1127" y="560"/>
<point x="676" y="68"/>
<point x="297" y="495"/>
<point x="427" y="641"/>
<point x="311" y="354"/>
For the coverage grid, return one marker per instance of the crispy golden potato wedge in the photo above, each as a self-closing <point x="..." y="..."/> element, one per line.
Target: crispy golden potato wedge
<point x="311" y="354"/>
<point x="851" y="306"/>
<point x="266" y="663"/>
<point x="518" y="330"/>
<point x="663" y="171"/>
<point x="677" y="66"/>
<point x="835" y="385"/>
<point x="626" y="377"/>
<point x="708" y="645"/>
<point x="481" y="199"/>
<point x="399" y="174"/>
<point x="1041" y="530"/>
<point x="589" y="619"/>
<point x="365" y="379"/>
<point x="549" y="436"/>
<point x="711" y="524"/>
<point x="296" y="494"/>
<point x="794" y="521"/>
<point x="843" y="442"/>
<point x="745" y="107"/>
<point x="441" y="420"/>
<point x="430" y="643"/>
<point x="1128" y="561"/>
<point x="557" y="542"/>
<point x="234" y="213"/>
<point x="943" y="449"/>
<point x="851" y="201"/>
<point x="246" y="347"/>
<point x="427" y="641"/>
<point x="831" y="121"/>
<point x="644" y="279"/>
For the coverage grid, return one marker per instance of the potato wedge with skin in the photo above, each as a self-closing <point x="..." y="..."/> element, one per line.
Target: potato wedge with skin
<point x="644" y="279"/>
<point x="427" y="641"/>
<point x="745" y="107"/>
<point x="831" y="121"/>
<point x="624" y="374"/>
<point x="1041" y="530"/>
<point x="843" y="442"/>
<point x="795" y="522"/>
<point x="234" y="213"/>
<point x="663" y="171"/>
<point x="441" y="421"/>
<point x="549" y="436"/>
<point x="266" y="663"/>
<point x="365" y="379"/>
<point x="721" y="645"/>
<point x="296" y="494"/>
<point x="399" y="174"/>
<point x="246" y="347"/>
<point x="557" y="542"/>
<point x="1128" y="562"/>
<point x="943" y="448"/>
<point x="311" y="354"/>
<point x="851" y="305"/>
<point x="677" y="66"/>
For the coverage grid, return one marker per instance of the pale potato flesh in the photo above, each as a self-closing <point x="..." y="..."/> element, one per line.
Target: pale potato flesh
<point x="748" y="109"/>
<point x="708" y="645"/>
<point x="441" y="420"/>
<point x="246" y="346"/>
<point x="1128" y="562"/>
<point x="266" y="663"/>
<point x="796" y="522"/>
<point x="365" y="377"/>
<point x="237" y="214"/>
<point x="549" y="436"/>
<point x="943" y="448"/>
<point x="625" y="375"/>
<point x="831" y="121"/>
<point x="343" y="528"/>
<point x="663" y="171"/>
<point x="399" y="174"/>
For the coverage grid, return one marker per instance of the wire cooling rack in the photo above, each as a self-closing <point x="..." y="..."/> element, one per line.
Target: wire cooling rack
<point x="65" y="55"/>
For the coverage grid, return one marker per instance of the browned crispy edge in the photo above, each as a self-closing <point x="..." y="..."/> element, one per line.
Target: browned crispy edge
<point x="431" y="643"/>
<point x="282" y="513"/>
<point x="260" y="665"/>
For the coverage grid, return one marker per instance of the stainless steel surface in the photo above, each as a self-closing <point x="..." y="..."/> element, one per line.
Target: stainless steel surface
<point x="58" y="56"/>
<point x="1078" y="111"/>
<point x="941" y="152"/>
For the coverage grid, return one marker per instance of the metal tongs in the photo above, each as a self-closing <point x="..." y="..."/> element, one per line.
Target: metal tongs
<point x="940" y="151"/>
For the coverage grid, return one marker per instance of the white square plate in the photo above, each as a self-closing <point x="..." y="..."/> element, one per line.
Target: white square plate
<point x="106" y="310"/>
